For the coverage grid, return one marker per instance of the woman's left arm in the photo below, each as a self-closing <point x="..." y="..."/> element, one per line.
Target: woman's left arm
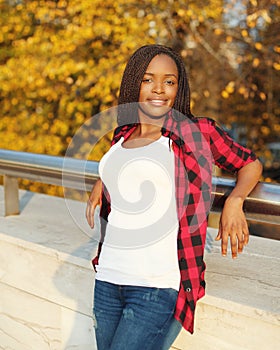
<point x="233" y="223"/>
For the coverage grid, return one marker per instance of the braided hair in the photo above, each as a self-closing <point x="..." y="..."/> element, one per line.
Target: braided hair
<point x="132" y="79"/>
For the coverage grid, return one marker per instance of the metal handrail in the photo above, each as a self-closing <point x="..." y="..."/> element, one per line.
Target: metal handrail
<point x="60" y="171"/>
<point x="263" y="203"/>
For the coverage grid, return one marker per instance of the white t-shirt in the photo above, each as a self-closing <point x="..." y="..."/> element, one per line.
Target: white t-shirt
<point x="140" y="245"/>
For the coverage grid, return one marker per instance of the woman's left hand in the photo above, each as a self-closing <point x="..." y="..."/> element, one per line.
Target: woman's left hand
<point x="233" y="225"/>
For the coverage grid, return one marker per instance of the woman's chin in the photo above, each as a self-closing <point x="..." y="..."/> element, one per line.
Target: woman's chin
<point x="154" y="112"/>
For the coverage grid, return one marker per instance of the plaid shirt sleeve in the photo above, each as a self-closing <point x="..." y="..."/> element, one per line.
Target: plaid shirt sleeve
<point x="228" y="154"/>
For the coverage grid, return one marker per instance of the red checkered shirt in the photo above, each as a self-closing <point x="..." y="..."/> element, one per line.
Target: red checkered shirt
<point x="198" y="144"/>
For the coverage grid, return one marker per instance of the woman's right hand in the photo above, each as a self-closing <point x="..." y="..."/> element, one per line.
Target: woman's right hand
<point x="93" y="202"/>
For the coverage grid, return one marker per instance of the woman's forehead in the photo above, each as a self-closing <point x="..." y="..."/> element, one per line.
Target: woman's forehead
<point x="162" y="62"/>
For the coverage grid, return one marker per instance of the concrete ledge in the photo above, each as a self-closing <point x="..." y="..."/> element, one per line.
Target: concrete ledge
<point x="45" y="301"/>
<point x="225" y="325"/>
<point x="46" y="283"/>
<point x="241" y="309"/>
<point x="46" y="277"/>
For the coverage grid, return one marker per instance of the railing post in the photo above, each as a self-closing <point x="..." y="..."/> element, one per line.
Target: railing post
<point x="11" y="195"/>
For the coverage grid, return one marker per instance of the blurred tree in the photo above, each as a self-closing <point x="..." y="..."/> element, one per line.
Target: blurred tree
<point x="61" y="63"/>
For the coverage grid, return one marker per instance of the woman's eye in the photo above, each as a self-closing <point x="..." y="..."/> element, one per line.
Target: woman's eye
<point x="166" y="82"/>
<point x="169" y="82"/>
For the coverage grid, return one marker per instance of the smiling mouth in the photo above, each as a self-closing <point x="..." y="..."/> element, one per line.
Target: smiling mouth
<point x="154" y="113"/>
<point x="157" y="102"/>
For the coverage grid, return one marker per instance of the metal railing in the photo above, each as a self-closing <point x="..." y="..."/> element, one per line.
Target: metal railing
<point x="262" y="205"/>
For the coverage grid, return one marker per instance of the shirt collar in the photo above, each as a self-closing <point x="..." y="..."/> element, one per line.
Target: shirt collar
<point x="170" y="129"/>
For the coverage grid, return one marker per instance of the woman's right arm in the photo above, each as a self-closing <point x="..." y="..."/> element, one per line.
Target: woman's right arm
<point x="93" y="202"/>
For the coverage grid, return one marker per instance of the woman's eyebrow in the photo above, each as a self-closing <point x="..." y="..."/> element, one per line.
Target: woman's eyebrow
<point x="166" y="75"/>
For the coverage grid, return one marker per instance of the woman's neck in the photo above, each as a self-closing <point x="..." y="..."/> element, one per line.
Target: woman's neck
<point x="147" y="130"/>
<point x="143" y="135"/>
<point x="149" y="125"/>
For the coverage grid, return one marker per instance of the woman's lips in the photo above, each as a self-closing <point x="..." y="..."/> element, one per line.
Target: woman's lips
<point x="157" y="102"/>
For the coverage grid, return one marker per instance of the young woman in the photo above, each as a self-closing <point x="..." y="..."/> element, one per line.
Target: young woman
<point x="155" y="195"/>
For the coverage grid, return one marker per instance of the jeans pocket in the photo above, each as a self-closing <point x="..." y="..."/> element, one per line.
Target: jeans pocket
<point x="170" y="295"/>
<point x="165" y="298"/>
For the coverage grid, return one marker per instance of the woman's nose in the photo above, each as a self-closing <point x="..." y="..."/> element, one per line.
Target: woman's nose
<point x="158" y="88"/>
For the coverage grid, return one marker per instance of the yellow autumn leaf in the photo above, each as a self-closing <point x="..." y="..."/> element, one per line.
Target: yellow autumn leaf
<point x="181" y="12"/>
<point x="229" y="39"/>
<point x="262" y="96"/>
<point x="230" y="87"/>
<point x="254" y="2"/>
<point x="265" y="130"/>
<point x="225" y="94"/>
<point x="218" y="31"/>
<point x="264" y="14"/>
<point x="206" y="93"/>
<point x="242" y="90"/>
<point x="256" y="62"/>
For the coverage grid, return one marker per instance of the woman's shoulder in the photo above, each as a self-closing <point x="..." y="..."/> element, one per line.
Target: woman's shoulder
<point x="122" y="131"/>
<point x="197" y="124"/>
<point x="124" y="128"/>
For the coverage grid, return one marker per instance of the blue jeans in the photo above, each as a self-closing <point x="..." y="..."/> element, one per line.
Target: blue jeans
<point x="134" y="318"/>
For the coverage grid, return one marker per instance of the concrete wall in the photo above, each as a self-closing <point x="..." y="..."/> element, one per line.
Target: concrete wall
<point x="46" y="284"/>
<point x="45" y="298"/>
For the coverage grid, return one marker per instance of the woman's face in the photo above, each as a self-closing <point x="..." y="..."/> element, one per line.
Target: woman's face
<point x="158" y="88"/>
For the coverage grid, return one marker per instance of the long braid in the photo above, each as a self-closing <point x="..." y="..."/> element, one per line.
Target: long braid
<point x="132" y="78"/>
